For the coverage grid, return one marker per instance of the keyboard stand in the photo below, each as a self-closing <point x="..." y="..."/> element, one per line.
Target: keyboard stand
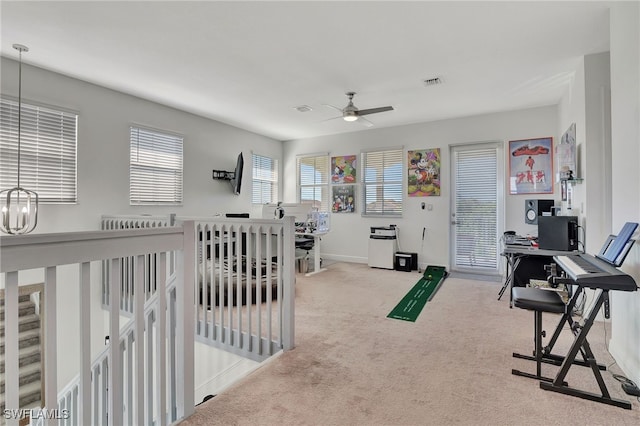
<point x="580" y="344"/>
<point x="547" y="356"/>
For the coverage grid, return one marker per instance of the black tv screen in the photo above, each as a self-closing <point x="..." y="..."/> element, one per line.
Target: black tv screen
<point x="236" y="182"/>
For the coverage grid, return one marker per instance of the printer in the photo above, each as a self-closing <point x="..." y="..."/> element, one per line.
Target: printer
<point x="382" y="246"/>
<point x="383" y="231"/>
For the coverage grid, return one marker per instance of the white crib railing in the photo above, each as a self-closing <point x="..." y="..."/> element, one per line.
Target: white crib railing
<point x="143" y="378"/>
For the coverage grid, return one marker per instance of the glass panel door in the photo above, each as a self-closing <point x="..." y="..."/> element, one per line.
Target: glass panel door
<point x="478" y="188"/>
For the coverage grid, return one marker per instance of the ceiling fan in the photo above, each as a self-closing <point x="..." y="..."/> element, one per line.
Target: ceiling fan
<point x="351" y="113"/>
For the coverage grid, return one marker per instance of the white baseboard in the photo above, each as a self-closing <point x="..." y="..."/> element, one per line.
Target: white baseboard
<point x="228" y="370"/>
<point x="342" y="258"/>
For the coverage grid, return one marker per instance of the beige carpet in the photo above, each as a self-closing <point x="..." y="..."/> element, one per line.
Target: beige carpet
<point x="354" y="366"/>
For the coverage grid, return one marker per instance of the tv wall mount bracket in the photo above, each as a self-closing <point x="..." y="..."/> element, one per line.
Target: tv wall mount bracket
<point x="224" y="175"/>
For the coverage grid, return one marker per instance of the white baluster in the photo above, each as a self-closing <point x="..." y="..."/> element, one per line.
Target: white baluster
<point x="11" y="355"/>
<point x="84" y="412"/>
<point x="115" y="367"/>
<point x="50" y="342"/>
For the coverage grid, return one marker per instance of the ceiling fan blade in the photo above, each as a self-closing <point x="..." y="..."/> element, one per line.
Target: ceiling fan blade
<point x="364" y="122"/>
<point x="331" y="119"/>
<point x="334" y="107"/>
<point x="374" y="110"/>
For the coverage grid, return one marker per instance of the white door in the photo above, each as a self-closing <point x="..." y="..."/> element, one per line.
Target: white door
<point x="477" y="206"/>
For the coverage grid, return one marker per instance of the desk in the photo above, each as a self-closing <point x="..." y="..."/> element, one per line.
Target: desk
<point x="514" y="254"/>
<point x="316" y="251"/>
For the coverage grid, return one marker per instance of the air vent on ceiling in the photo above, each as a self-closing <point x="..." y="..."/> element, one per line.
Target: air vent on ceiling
<point x="432" y="81"/>
<point x="303" y="108"/>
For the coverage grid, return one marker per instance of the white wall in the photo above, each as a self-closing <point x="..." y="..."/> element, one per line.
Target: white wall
<point x="103" y="150"/>
<point x="104" y="117"/>
<point x="587" y="104"/>
<point x="348" y="239"/>
<point x="597" y="150"/>
<point x="625" y="135"/>
<point x="571" y="110"/>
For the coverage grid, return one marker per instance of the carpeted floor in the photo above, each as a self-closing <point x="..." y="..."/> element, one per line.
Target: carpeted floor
<point x="354" y="366"/>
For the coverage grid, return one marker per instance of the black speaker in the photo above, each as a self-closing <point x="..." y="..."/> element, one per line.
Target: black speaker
<point x="535" y="208"/>
<point x="558" y="233"/>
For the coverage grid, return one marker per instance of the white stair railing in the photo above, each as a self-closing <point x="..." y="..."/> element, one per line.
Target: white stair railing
<point x="245" y="276"/>
<point x="245" y="288"/>
<point x="111" y="222"/>
<point x="68" y="397"/>
<point x="159" y="384"/>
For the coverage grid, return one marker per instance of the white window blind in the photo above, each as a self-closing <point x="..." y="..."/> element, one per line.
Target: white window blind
<point x="265" y="180"/>
<point x="48" y="142"/>
<point x="155" y="167"/>
<point x="382" y="173"/>
<point x="313" y="181"/>
<point x="476" y="204"/>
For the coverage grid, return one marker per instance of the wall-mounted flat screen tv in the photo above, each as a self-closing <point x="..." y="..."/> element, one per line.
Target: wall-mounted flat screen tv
<point x="236" y="182"/>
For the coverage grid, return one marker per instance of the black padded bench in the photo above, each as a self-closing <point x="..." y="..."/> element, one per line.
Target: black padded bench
<point x="539" y="301"/>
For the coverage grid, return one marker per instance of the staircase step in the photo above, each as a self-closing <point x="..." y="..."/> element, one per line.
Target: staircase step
<point x="24" y="308"/>
<point x="29" y="394"/>
<point x="28" y="374"/>
<point x="27" y="322"/>
<point x="25" y="339"/>
<point x="21" y="298"/>
<point x="27" y="356"/>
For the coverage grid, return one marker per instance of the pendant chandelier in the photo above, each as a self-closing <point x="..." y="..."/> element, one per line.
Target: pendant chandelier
<point x="19" y="205"/>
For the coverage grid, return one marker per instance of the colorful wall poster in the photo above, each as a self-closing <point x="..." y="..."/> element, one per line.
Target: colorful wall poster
<point x="343" y="169"/>
<point x="423" y="178"/>
<point x="343" y="199"/>
<point x="531" y="166"/>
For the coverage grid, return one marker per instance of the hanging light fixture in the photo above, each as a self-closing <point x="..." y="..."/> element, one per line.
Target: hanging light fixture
<point x="19" y="205"/>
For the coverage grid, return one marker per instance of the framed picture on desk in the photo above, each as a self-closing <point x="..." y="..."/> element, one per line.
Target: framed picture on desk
<point x="531" y="166"/>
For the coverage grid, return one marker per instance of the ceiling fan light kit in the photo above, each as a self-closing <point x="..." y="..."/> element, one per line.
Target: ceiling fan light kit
<point x="351" y="113"/>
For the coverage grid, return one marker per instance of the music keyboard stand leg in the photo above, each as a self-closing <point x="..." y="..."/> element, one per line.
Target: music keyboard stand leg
<point x="512" y="261"/>
<point x="580" y="344"/>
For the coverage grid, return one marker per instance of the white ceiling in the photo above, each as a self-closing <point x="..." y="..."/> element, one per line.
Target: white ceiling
<point x="250" y="63"/>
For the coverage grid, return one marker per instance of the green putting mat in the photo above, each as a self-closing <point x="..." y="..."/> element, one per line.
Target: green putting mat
<point x="411" y="305"/>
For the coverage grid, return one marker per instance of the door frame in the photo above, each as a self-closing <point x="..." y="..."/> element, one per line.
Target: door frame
<point x="500" y="198"/>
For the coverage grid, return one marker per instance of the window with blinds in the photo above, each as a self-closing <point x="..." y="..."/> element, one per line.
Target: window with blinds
<point x="382" y="173"/>
<point x="155" y="167"/>
<point x="265" y="180"/>
<point x="313" y="181"/>
<point x="48" y="143"/>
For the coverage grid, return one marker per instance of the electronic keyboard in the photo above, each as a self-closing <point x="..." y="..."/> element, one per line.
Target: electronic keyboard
<point x="589" y="271"/>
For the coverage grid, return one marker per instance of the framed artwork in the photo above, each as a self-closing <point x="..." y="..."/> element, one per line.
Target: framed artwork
<point x="343" y="198"/>
<point x="566" y="156"/>
<point x="531" y="166"/>
<point x="423" y="174"/>
<point x="343" y="169"/>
